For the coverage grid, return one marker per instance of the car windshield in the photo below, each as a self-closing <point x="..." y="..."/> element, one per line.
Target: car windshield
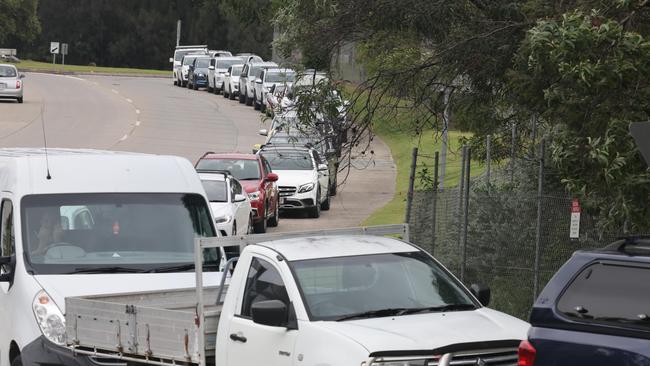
<point x="179" y="54"/>
<point x="202" y="63"/>
<point x="224" y="64"/>
<point x="242" y="169"/>
<point x="7" y="72"/>
<point x="280" y="77"/>
<point x="290" y="139"/>
<point x="255" y="71"/>
<point x="188" y="60"/>
<point x="288" y="160"/>
<point x="339" y="288"/>
<point x="216" y="190"/>
<point x="236" y="70"/>
<point x="64" y="233"/>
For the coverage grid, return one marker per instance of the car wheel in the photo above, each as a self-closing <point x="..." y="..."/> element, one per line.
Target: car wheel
<point x="20" y="100"/>
<point x="249" y="101"/>
<point x="195" y="86"/>
<point x="250" y="229"/>
<point x="242" y="93"/>
<point x="256" y="105"/>
<point x="210" y="89"/>
<point x="275" y="219"/>
<point x="234" y="229"/>
<point x="232" y="96"/>
<point x="333" y="188"/>
<point x="225" y="95"/>
<point x="326" y="204"/>
<point x="260" y="226"/>
<point x="175" y="81"/>
<point x="314" y="212"/>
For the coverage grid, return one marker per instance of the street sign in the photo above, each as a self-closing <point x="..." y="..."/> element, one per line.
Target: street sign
<point x="54" y="48"/>
<point x="641" y="133"/>
<point x="64" y="49"/>
<point x="574" y="229"/>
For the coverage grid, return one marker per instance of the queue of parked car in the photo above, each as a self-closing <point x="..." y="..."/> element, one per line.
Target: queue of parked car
<point x="295" y="169"/>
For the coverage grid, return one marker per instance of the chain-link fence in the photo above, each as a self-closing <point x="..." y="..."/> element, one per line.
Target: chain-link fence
<point x="511" y="237"/>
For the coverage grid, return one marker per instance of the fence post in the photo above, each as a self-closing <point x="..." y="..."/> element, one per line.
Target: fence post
<point x="488" y="160"/>
<point x="512" y="153"/>
<point x="461" y="192"/>
<point x="409" y="197"/>
<point x="468" y="162"/>
<point x="434" y="205"/>
<point x="538" y="234"/>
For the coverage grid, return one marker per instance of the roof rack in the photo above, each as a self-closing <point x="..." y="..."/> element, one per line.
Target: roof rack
<point x="623" y="242"/>
<point x="215" y="171"/>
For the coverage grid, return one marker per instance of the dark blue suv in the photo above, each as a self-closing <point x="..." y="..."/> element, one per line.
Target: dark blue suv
<point x="595" y="311"/>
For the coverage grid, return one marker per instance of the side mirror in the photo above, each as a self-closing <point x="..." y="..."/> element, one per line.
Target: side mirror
<point x="272" y="89"/>
<point x="171" y="59"/>
<point x="273" y="313"/>
<point x="264" y="132"/>
<point x="322" y="167"/>
<point x="210" y="67"/>
<point x="240" y="198"/>
<point x="7" y="266"/>
<point x="481" y="292"/>
<point x="272" y="177"/>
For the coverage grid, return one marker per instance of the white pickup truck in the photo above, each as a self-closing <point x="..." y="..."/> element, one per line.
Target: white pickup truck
<point x="340" y="297"/>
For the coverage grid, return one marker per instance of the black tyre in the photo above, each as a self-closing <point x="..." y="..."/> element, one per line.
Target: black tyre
<point x="325" y="206"/>
<point x="241" y="96"/>
<point x="333" y="188"/>
<point x="256" y="105"/>
<point x="260" y="226"/>
<point x="249" y="101"/>
<point x="210" y="89"/>
<point x="175" y="82"/>
<point x="20" y="100"/>
<point x="275" y="219"/>
<point x="314" y="212"/>
<point x="250" y="229"/>
<point x="234" y="229"/>
<point x="231" y="96"/>
<point x="195" y="86"/>
<point x="225" y="95"/>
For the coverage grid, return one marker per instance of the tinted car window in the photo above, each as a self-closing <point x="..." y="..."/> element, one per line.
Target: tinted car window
<point x="289" y="160"/>
<point x="609" y="293"/>
<point x="242" y="169"/>
<point x="263" y="283"/>
<point x="216" y="190"/>
<point x="202" y="63"/>
<point x="224" y="64"/>
<point x="235" y="71"/>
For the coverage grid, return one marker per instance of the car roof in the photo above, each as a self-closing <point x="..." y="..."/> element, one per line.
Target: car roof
<point x="230" y="156"/>
<point x="318" y="247"/>
<point x="228" y="58"/>
<point x="265" y="63"/>
<point x="10" y="65"/>
<point x="285" y="147"/>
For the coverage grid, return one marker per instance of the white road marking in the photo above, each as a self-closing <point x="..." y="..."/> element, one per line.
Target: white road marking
<point x="124" y="137"/>
<point x="129" y="100"/>
<point x="115" y="91"/>
<point x="137" y="123"/>
<point x="137" y="111"/>
<point x="74" y="77"/>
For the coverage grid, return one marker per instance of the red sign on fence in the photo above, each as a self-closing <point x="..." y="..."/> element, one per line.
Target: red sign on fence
<point x="575" y="206"/>
<point x="574" y="230"/>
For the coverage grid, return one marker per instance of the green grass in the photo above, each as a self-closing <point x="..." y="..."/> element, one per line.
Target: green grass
<point x="401" y="145"/>
<point x="28" y="65"/>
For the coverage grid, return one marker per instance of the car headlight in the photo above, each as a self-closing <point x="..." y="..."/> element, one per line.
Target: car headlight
<point x="49" y="318"/>
<point x="254" y="196"/>
<point x="223" y="219"/>
<point x="306" y="187"/>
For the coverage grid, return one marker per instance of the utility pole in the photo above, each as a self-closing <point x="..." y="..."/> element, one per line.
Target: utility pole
<point x="178" y="33"/>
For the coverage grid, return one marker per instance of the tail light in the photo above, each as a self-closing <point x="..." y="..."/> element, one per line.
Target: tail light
<point x="526" y="354"/>
<point x="17" y="84"/>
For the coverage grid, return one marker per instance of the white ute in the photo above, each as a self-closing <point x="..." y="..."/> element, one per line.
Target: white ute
<point x="95" y="222"/>
<point x="346" y="297"/>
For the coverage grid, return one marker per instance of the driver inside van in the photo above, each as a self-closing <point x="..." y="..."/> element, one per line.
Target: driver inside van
<point x="50" y="232"/>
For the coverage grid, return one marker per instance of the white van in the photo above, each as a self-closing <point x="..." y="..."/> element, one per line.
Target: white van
<point x="93" y="222"/>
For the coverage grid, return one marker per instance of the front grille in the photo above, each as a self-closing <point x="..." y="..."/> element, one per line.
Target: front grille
<point x="286" y="191"/>
<point x="494" y="357"/>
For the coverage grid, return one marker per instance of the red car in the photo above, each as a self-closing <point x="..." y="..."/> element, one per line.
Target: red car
<point x="254" y="174"/>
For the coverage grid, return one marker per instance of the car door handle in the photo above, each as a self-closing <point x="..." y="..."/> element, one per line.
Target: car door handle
<point x="238" y="338"/>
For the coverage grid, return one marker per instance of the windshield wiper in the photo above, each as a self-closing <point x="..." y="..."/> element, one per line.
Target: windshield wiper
<point x="177" y="268"/>
<point x="251" y="178"/>
<point x="107" y="270"/>
<point x="442" y="308"/>
<point x="374" y="314"/>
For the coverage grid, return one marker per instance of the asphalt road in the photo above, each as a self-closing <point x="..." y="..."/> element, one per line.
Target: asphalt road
<point x="151" y="115"/>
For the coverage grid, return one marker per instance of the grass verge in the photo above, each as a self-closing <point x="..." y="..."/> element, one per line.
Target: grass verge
<point x="401" y="144"/>
<point x="29" y="65"/>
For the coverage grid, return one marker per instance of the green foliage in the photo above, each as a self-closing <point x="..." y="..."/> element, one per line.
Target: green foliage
<point x="18" y="21"/>
<point x="589" y="78"/>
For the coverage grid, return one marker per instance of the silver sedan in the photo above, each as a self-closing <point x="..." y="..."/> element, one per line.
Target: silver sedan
<point x="11" y="83"/>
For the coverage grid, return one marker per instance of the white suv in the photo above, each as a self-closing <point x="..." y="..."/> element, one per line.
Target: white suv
<point x="247" y="79"/>
<point x="217" y="71"/>
<point x="303" y="181"/>
<point x="269" y="78"/>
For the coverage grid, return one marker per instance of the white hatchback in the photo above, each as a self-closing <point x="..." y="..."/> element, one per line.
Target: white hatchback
<point x="11" y="83"/>
<point x="230" y="206"/>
